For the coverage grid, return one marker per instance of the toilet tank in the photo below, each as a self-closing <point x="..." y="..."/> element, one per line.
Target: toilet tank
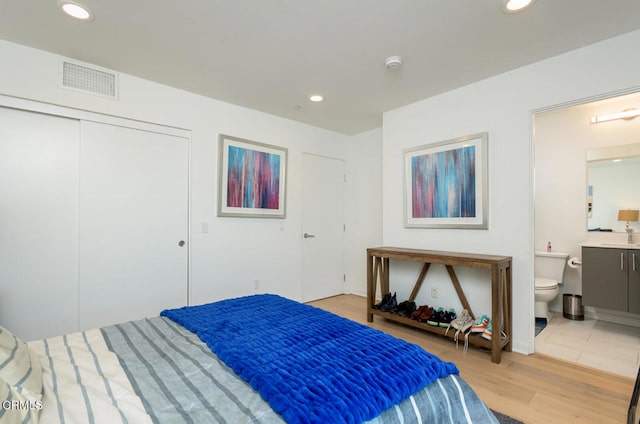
<point x="550" y="265"/>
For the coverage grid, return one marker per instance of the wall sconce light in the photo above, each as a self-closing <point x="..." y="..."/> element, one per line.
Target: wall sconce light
<point x="625" y="114"/>
<point x="629" y="216"/>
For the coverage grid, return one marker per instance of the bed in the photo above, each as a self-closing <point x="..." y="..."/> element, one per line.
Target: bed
<point x="254" y="359"/>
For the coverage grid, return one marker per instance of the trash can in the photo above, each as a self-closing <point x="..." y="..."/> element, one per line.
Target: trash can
<point x="572" y="307"/>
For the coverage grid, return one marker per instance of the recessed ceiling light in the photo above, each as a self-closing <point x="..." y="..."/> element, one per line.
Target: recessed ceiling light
<point x="75" y="10"/>
<point x="316" y="98"/>
<point x="513" y="6"/>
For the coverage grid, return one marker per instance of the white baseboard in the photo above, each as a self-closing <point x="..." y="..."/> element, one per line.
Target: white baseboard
<point x="358" y="293"/>
<point x="521" y="348"/>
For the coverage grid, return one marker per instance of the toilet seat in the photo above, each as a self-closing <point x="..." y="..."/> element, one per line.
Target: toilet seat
<point x="545" y="284"/>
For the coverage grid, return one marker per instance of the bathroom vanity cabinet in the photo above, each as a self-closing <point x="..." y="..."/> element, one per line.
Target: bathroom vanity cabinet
<point x="611" y="278"/>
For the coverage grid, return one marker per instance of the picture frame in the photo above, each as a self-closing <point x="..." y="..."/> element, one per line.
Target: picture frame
<point x="445" y="184"/>
<point x="252" y="178"/>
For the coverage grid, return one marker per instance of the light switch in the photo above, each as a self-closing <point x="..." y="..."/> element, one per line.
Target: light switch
<point x="204" y="227"/>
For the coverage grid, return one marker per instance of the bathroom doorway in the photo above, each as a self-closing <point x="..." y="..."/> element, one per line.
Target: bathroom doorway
<point x="566" y="208"/>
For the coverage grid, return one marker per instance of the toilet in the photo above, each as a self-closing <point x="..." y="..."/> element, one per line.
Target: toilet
<point x="549" y="272"/>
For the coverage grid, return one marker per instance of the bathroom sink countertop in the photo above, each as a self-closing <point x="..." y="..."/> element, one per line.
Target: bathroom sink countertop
<point x="610" y="245"/>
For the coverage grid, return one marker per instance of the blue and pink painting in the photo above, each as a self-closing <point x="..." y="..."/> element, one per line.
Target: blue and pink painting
<point x="444" y="184"/>
<point x="253" y="179"/>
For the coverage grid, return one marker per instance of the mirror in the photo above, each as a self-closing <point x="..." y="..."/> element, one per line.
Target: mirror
<point x="613" y="179"/>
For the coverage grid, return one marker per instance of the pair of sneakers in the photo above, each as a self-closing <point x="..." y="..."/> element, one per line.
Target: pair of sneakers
<point x="465" y="322"/>
<point x="462" y="323"/>
<point x="485" y="326"/>
<point x="488" y="332"/>
<point x="442" y="318"/>
<point x="481" y="325"/>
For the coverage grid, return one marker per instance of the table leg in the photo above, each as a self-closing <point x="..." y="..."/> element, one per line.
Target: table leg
<point x="496" y="313"/>
<point x="371" y="287"/>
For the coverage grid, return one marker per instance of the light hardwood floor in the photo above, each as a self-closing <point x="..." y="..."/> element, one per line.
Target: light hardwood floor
<point x="531" y="388"/>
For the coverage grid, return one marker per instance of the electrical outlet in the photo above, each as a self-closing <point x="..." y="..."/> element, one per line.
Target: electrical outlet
<point x="256" y="285"/>
<point x="434" y="292"/>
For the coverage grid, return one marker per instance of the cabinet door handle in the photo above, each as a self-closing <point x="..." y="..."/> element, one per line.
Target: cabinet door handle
<point x="633" y="263"/>
<point x="622" y="261"/>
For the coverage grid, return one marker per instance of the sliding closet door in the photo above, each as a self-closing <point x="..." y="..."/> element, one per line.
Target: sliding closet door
<point x="133" y="224"/>
<point x="39" y="156"/>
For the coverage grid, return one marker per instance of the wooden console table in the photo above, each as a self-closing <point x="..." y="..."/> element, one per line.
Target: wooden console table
<point x="500" y="267"/>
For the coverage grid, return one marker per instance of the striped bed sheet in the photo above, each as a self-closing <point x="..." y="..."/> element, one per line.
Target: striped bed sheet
<point x="156" y="371"/>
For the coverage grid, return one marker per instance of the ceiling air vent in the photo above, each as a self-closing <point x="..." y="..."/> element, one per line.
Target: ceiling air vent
<point x="89" y="79"/>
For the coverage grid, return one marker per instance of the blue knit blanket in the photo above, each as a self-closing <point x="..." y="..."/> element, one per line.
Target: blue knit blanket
<point x="310" y="365"/>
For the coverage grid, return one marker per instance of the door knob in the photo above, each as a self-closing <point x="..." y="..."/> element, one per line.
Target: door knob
<point x="181" y="243"/>
<point x="307" y="235"/>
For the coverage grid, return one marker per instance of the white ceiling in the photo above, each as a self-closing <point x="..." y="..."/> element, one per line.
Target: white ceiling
<point x="270" y="55"/>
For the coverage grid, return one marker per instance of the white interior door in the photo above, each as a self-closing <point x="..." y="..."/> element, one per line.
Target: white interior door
<point x="322" y="227"/>
<point x="39" y="156"/>
<point x="133" y="224"/>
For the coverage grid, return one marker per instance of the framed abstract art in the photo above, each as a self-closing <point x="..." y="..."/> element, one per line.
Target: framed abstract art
<point x="252" y="179"/>
<point x="445" y="184"/>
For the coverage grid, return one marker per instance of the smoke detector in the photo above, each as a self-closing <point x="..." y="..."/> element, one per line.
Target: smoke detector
<point x="393" y="62"/>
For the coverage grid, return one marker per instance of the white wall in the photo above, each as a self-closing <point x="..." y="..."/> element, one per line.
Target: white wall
<point x="235" y="252"/>
<point x="562" y="139"/>
<point x="364" y="205"/>
<point x="502" y="106"/>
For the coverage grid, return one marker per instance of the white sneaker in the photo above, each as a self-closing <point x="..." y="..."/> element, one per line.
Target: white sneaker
<point x="461" y="324"/>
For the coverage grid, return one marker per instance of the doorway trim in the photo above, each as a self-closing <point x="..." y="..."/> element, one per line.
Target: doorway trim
<point x="303" y="228"/>
<point x="532" y="115"/>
